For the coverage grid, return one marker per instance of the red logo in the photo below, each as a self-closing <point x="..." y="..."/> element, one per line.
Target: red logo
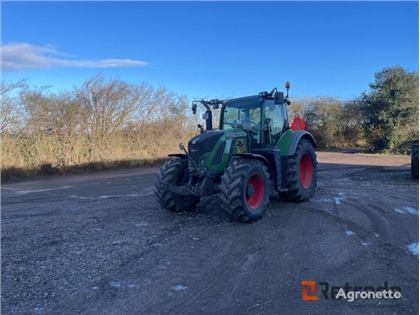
<point x="305" y="295"/>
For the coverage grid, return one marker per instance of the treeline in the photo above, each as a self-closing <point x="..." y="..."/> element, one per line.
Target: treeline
<point x="333" y="123"/>
<point x="108" y="122"/>
<point x="385" y="119"/>
<point x="103" y="123"/>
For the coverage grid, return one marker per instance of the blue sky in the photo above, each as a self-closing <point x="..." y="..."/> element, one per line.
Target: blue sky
<point x="211" y="49"/>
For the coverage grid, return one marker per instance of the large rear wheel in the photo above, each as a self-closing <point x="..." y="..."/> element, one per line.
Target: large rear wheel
<point x="174" y="172"/>
<point x="302" y="173"/>
<point x="245" y="189"/>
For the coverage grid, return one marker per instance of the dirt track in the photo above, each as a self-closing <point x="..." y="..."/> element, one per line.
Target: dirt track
<point x="101" y="244"/>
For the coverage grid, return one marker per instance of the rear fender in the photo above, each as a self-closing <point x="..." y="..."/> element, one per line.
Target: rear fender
<point x="289" y="142"/>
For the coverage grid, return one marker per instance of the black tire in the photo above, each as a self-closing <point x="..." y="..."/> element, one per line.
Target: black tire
<point x="245" y="189"/>
<point x="174" y="172"/>
<point x="302" y="173"/>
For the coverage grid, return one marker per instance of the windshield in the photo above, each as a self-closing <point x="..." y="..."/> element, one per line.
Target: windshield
<point x="241" y="118"/>
<point x="246" y="113"/>
<point x="242" y="114"/>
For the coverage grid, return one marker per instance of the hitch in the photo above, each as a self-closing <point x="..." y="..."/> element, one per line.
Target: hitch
<point x="193" y="188"/>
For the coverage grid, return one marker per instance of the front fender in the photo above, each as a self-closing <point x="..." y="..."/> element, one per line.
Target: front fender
<point x="254" y="157"/>
<point x="178" y="155"/>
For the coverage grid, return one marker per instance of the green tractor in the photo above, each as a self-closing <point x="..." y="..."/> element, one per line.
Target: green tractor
<point x="254" y="153"/>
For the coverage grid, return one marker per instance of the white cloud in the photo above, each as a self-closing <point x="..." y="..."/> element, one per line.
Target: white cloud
<point x="24" y="56"/>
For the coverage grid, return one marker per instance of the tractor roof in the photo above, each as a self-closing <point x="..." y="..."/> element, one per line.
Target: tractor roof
<point x="242" y="102"/>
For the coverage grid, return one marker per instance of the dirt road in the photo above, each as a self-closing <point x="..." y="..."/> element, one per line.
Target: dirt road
<point x="101" y="244"/>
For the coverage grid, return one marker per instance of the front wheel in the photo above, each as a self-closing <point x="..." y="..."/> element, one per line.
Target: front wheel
<point x="301" y="173"/>
<point x="174" y="173"/>
<point x="245" y="189"/>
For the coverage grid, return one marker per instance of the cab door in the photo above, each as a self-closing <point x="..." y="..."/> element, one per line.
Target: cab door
<point x="273" y="122"/>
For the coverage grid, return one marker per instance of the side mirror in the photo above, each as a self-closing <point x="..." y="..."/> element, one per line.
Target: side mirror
<point x="194" y="108"/>
<point x="279" y="98"/>
<point x="215" y="103"/>
<point x="287" y="85"/>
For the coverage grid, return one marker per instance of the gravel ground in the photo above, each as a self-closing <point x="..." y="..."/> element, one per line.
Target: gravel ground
<point x="100" y="244"/>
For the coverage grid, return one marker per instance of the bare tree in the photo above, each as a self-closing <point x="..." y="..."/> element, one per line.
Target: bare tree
<point x="9" y="105"/>
<point x="107" y="104"/>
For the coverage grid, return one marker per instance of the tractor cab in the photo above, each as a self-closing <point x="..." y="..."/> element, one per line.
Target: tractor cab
<point x="262" y="118"/>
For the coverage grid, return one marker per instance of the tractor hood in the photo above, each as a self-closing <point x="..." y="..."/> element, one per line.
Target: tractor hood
<point x="203" y="143"/>
<point x="208" y="148"/>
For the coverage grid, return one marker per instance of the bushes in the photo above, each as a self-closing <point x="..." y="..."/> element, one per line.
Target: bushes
<point x="391" y="109"/>
<point x="383" y="119"/>
<point x="104" y="123"/>
<point x="332" y="122"/>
